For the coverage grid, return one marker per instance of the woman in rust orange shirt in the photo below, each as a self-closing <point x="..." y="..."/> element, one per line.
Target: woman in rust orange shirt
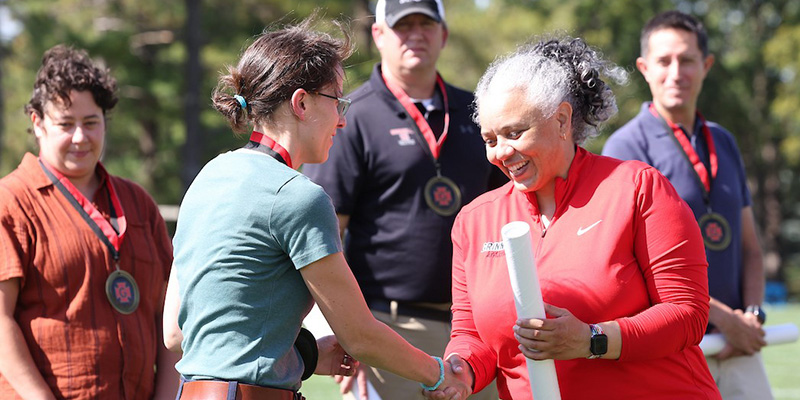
<point x="84" y="255"/>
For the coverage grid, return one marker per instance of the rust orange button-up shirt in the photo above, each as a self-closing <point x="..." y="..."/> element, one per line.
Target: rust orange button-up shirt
<point x="80" y="344"/>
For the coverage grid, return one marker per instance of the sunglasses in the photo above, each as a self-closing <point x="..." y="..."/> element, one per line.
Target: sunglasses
<point x="342" y="104"/>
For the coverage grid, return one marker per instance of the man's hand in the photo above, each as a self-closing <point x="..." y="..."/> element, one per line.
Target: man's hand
<point x="333" y="360"/>
<point x="458" y="380"/>
<point x="743" y="335"/>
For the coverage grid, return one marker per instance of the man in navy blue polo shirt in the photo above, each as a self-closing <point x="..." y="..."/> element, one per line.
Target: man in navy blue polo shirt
<point x="407" y="161"/>
<point x="702" y="161"/>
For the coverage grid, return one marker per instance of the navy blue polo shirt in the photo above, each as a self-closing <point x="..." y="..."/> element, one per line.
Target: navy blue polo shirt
<point x="398" y="248"/>
<point x="647" y="138"/>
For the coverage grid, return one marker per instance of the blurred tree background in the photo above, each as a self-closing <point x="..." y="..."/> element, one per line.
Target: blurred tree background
<point x="167" y="55"/>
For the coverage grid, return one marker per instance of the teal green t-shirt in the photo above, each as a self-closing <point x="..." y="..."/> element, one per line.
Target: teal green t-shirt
<point x="246" y="226"/>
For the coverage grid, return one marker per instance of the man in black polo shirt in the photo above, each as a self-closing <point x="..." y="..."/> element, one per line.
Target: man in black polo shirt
<point x="408" y="159"/>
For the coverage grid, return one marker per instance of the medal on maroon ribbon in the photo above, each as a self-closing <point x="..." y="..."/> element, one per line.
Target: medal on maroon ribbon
<point x="122" y="292"/>
<point x="443" y="196"/>
<point x="716" y="231"/>
<point x="121" y="288"/>
<point x="714" y="227"/>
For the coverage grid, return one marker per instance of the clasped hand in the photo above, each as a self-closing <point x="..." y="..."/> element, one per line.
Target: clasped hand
<point x="457" y="383"/>
<point x="333" y="360"/>
<point x="458" y="378"/>
<point x="562" y="337"/>
<point x="743" y="335"/>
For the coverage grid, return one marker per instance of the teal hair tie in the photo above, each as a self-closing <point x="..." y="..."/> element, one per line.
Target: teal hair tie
<point x="241" y="100"/>
<point x="441" y="376"/>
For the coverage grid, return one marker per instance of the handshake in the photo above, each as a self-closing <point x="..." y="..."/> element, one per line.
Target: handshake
<point x="455" y="382"/>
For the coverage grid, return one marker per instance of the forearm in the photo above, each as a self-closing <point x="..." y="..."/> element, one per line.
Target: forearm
<point x="336" y="291"/>
<point x="752" y="261"/>
<point x="753" y="280"/>
<point x="167" y="377"/>
<point x="17" y="366"/>
<point x="172" y="332"/>
<point x="718" y="313"/>
<point x="662" y="329"/>
<point x="464" y="338"/>
<point x="743" y="332"/>
<point x="677" y="285"/>
<point x="376" y="344"/>
<point x="467" y="344"/>
<point x="669" y="251"/>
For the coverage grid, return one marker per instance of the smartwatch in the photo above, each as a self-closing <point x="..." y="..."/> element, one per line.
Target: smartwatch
<point x="598" y="344"/>
<point x="758" y="312"/>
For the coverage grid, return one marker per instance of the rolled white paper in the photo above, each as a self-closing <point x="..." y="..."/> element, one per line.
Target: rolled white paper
<point x="528" y="300"/>
<point x="713" y="343"/>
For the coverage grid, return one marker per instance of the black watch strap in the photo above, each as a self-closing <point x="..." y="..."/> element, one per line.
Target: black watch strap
<point x="598" y="344"/>
<point x="759" y="312"/>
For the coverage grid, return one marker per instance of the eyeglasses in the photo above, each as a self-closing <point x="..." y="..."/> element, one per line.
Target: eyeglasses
<point x="342" y="104"/>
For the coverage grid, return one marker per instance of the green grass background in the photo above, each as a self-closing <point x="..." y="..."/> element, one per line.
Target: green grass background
<point x="782" y="362"/>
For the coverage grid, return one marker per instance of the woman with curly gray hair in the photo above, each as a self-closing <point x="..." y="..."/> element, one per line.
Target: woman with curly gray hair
<point x="619" y="257"/>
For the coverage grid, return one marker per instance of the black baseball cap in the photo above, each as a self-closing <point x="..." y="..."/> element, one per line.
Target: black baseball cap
<point x="392" y="11"/>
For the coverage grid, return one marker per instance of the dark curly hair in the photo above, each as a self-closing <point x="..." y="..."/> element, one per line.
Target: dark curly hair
<point x="555" y="70"/>
<point x="65" y="69"/>
<point x="274" y="66"/>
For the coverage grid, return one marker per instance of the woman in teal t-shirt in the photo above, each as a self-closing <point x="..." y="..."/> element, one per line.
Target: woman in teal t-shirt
<point x="257" y="243"/>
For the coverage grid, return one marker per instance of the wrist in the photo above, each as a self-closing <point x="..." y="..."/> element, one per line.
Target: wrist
<point x="598" y="342"/>
<point x="756" y="310"/>
<point x="462" y="369"/>
<point x="441" y="376"/>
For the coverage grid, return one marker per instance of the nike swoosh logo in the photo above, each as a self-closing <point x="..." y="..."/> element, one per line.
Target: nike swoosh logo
<point x="582" y="230"/>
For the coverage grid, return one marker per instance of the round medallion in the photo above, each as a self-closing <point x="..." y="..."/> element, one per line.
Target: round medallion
<point x="122" y="292"/>
<point x="716" y="231"/>
<point x="443" y="196"/>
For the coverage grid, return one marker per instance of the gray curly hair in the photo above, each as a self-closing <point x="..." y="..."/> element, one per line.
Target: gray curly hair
<point x="555" y="70"/>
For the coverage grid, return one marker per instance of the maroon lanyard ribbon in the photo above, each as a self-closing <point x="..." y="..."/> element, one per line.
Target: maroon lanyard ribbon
<point x="694" y="158"/>
<point x="274" y="148"/>
<point x="419" y="119"/>
<point x="100" y="226"/>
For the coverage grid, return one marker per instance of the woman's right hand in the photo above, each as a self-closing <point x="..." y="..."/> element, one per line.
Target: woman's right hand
<point x="333" y="360"/>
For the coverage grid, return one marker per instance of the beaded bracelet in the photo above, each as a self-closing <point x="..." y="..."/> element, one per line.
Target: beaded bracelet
<point x="441" y="376"/>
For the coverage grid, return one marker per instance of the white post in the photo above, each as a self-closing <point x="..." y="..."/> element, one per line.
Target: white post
<point x="528" y="300"/>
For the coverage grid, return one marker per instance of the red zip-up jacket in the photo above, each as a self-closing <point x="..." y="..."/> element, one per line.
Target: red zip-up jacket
<point x="621" y="246"/>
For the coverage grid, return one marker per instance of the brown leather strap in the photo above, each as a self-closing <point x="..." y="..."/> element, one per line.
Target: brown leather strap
<point x="218" y="390"/>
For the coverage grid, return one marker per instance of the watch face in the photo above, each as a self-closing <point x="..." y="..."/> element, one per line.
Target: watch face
<point x="599" y="345"/>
